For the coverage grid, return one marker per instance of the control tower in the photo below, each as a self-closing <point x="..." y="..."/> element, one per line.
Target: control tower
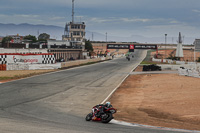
<point x="75" y="31"/>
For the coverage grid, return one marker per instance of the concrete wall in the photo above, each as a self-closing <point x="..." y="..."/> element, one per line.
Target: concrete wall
<point x="176" y="67"/>
<point x="32" y="66"/>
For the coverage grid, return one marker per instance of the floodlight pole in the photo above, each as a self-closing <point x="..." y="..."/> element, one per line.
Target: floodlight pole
<point x="165" y="43"/>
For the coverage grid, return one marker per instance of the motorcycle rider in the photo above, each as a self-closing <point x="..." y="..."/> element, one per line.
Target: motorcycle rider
<point x="103" y="107"/>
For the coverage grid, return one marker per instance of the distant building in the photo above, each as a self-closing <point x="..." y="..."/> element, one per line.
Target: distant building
<point x="75" y="33"/>
<point x="58" y="44"/>
<point x="197" y="44"/>
<point x="16" y="38"/>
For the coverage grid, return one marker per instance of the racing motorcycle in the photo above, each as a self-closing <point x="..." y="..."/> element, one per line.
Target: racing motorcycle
<point x="106" y="117"/>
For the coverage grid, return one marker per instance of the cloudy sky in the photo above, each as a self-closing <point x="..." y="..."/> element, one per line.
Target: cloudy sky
<point x="148" y="18"/>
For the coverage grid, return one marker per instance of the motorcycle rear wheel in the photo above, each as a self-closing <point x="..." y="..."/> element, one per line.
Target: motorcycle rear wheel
<point x="107" y="119"/>
<point x="88" y="117"/>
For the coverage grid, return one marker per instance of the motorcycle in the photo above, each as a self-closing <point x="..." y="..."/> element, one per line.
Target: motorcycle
<point x="106" y="117"/>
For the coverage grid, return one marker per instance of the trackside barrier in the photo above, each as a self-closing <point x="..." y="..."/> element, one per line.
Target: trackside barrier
<point x="2" y="67"/>
<point x="189" y="72"/>
<point x="170" y="61"/>
<point x="156" y="60"/>
<point x="182" y="72"/>
<point x="17" y="61"/>
<point x="180" y="62"/>
<point x="33" y="66"/>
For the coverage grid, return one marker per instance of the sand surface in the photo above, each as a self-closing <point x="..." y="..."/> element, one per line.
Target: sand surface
<point x="164" y="100"/>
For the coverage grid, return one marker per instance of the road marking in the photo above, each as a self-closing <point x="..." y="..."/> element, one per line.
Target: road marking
<point x="152" y="127"/>
<point x="122" y="81"/>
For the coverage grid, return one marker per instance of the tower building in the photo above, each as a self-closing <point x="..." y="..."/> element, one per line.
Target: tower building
<point x="75" y="31"/>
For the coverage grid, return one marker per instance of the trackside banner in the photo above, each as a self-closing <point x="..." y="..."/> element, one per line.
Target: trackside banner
<point x="145" y="46"/>
<point x="118" y="46"/>
<point x="29" y="59"/>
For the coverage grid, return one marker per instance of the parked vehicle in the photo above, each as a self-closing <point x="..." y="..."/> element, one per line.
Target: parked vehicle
<point x="151" y="68"/>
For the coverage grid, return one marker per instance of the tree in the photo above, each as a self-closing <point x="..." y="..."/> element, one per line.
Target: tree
<point x="88" y="46"/>
<point x="43" y="37"/>
<point x="31" y="38"/>
<point x="6" y="39"/>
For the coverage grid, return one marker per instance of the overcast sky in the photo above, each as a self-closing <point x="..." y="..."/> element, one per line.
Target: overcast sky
<point x="149" y="18"/>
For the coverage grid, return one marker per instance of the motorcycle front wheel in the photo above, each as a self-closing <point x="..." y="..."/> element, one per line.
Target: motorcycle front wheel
<point x="88" y="117"/>
<point x="107" y="118"/>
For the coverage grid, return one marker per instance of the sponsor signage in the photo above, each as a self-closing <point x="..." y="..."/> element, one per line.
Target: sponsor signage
<point x="145" y="46"/>
<point x="24" y="59"/>
<point x="131" y="47"/>
<point x="118" y="46"/>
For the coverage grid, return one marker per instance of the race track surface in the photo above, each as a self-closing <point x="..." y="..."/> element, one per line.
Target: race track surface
<point x="58" y="102"/>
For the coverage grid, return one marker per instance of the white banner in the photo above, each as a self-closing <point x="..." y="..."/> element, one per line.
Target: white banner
<point x="27" y="59"/>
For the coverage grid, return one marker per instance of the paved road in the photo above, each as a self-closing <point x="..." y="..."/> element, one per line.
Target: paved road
<point x="58" y="102"/>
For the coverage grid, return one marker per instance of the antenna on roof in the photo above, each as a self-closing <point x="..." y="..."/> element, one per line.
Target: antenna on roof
<point x="72" y="11"/>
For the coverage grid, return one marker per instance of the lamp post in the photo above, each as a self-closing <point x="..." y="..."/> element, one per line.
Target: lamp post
<point x="195" y="66"/>
<point x="106" y="36"/>
<point x="165" y="43"/>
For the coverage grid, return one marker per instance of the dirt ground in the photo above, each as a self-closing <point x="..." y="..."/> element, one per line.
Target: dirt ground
<point x="12" y="75"/>
<point x="164" y="100"/>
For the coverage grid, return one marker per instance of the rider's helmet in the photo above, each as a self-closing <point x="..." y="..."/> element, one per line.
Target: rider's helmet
<point x="107" y="104"/>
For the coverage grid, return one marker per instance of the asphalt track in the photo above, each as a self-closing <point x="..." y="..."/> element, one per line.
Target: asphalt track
<point x="58" y="102"/>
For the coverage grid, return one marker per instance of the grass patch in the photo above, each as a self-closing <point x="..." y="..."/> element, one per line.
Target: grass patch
<point x="22" y="76"/>
<point x="151" y="63"/>
<point x="148" y="62"/>
<point x="5" y="78"/>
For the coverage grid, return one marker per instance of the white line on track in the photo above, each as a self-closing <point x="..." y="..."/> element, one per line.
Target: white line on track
<point x="152" y="127"/>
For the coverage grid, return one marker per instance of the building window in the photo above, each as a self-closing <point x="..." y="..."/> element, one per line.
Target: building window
<point x="76" y="33"/>
<point x="75" y="26"/>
